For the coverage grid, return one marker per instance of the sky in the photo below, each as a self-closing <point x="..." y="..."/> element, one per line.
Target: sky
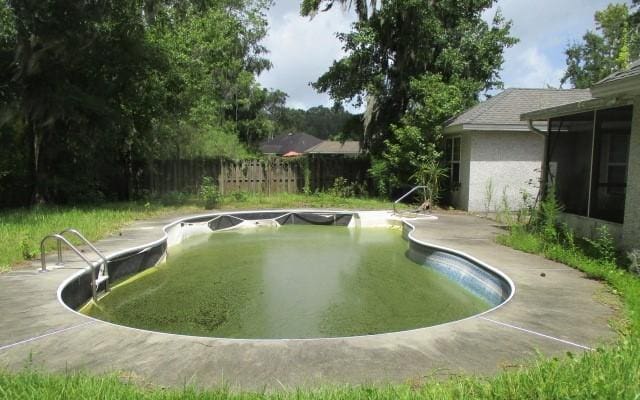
<point x="302" y="49"/>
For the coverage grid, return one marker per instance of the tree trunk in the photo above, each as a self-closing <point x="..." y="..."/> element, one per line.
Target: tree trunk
<point x="39" y="178"/>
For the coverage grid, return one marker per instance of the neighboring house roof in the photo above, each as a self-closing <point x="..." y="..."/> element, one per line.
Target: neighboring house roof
<point x="332" y="147"/>
<point x="620" y="82"/>
<point x="502" y="111"/>
<point x="296" y="142"/>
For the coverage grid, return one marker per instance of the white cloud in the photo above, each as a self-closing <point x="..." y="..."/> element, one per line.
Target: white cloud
<point x="545" y="28"/>
<point x="301" y="51"/>
<point x="530" y="68"/>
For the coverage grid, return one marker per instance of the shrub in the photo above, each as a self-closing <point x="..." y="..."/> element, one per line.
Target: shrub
<point x="634" y="261"/>
<point x="28" y="249"/>
<point x="547" y="219"/>
<point x="342" y="188"/>
<point x="603" y="245"/>
<point x="209" y="194"/>
<point x="173" y="198"/>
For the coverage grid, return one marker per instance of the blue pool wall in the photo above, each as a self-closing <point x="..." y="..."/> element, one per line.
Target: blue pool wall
<point x="483" y="282"/>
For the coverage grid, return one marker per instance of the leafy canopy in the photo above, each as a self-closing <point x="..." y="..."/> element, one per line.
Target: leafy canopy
<point x="404" y="61"/>
<point x="610" y="48"/>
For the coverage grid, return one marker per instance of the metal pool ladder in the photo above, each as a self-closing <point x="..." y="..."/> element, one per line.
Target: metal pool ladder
<point x="425" y="188"/>
<point x="99" y="272"/>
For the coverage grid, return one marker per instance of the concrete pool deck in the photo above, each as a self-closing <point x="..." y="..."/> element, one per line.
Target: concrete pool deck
<point x="559" y="312"/>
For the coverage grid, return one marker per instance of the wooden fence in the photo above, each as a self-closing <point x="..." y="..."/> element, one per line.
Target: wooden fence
<point x="275" y="175"/>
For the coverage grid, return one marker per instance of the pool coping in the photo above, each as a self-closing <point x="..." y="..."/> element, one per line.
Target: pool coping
<point x="57" y="339"/>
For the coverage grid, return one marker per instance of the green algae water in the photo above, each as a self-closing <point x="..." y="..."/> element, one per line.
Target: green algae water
<point x="294" y="281"/>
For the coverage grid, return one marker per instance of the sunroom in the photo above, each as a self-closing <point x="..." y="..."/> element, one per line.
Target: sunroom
<point x="592" y="157"/>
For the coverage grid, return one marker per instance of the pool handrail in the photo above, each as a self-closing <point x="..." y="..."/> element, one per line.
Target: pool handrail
<point x="103" y="272"/>
<point x="407" y="194"/>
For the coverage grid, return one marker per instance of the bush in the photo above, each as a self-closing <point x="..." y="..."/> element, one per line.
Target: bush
<point x="603" y="246"/>
<point x="240" y="196"/>
<point x="341" y="188"/>
<point x="345" y="189"/>
<point x="174" y="198"/>
<point x="209" y="194"/>
<point x="634" y="261"/>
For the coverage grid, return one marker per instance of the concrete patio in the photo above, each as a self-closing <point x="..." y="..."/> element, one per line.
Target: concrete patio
<point x="555" y="310"/>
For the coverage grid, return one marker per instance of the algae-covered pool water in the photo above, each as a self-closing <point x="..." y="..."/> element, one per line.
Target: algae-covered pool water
<point x="294" y="281"/>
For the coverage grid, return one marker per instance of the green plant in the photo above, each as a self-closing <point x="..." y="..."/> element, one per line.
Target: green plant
<point x="504" y="214"/>
<point x="548" y="215"/>
<point x="208" y="193"/>
<point x="430" y="174"/>
<point x="173" y="198"/>
<point x="306" y="189"/>
<point x="525" y="211"/>
<point x="342" y="188"/>
<point x="634" y="261"/>
<point x="240" y="196"/>
<point x="28" y="248"/>
<point x="603" y="245"/>
<point x="567" y="237"/>
<point x="488" y="195"/>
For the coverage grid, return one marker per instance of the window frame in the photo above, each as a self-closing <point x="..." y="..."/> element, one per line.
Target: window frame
<point x="452" y="162"/>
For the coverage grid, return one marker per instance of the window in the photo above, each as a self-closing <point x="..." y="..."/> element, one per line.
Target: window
<point x="610" y="158"/>
<point x="587" y="161"/>
<point x="452" y="158"/>
<point x="569" y="160"/>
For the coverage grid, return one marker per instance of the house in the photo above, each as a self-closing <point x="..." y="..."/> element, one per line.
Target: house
<point x="492" y="156"/>
<point x="296" y="144"/>
<point x="592" y="157"/>
<point x="289" y="143"/>
<point x="329" y="147"/>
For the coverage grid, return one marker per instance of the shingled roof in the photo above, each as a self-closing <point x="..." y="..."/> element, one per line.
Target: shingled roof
<point x="296" y="142"/>
<point x="633" y="70"/>
<point x="502" y="112"/>
<point x="626" y="80"/>
<point x="350" y="147"/>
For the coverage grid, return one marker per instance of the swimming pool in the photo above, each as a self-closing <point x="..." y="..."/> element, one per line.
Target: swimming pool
<point x="287" y="277"/>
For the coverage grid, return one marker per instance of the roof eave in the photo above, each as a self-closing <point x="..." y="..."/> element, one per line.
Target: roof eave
<point x="462" y="128"/>
<point x="624" y="86"/>
<point x="574" y="108"/>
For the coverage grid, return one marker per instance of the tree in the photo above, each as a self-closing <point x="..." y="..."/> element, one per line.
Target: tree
<point x="363" y="8"/>
<point x="610" y="48"/>
<point x="213" y="57"/>
<point x="75" y="62"/>
<point x="92" y="89"/>
<point x="322" y="122"/>
<point x="403" y="42"/>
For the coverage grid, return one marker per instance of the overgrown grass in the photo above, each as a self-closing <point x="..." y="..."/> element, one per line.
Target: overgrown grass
<point x="612" y="372"/>
<point x="22" y="229"/>
<point x="577" y="255"/>
<point x="604" y="374"/>
<point x="243" y="200"/>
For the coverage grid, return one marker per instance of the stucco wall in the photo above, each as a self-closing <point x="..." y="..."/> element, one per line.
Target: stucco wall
<point x="588" y="227"/>
<point x="631" y="226"/>
<point x="510" y="161"/>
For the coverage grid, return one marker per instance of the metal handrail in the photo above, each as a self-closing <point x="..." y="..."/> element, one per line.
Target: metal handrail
<point x="59" y="238"/>
<point x="105" y="261"/>
<point x="92" y="267"/>
<point x="407" y="194"/>
<point x="84" y="239"/>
